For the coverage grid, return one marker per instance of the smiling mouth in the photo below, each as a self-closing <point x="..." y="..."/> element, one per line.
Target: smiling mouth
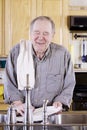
<point x="39" y="43"/>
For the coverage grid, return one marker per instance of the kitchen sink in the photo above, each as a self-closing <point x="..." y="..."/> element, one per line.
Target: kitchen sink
<point x="62" y="119"/>
<point x="68" y="119"/>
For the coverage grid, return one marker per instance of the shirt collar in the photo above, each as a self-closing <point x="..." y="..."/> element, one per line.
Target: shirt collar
<point x="45" y="55"/>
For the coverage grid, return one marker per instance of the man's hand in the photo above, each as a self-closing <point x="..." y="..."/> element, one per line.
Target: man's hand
<point x="57" y="104"/>
<point x="20" y="107"/>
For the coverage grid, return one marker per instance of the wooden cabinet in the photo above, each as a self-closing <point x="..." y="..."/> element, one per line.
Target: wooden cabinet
<point x="1" y="27"/>
<point x="15" y="17"/>
<point x="53" y="8"/>
<point x="15" y="24"/>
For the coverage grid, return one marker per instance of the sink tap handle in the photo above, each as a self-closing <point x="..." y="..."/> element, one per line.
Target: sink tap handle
<point x="11" y="115"/>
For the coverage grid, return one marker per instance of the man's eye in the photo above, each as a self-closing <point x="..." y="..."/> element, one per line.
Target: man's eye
<point x="37" y="33"/>
<point x="46" y="33"/>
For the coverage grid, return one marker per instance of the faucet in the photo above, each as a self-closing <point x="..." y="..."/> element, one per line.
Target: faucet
<point x="28" y="113"/>
<point x="45" y="116"/>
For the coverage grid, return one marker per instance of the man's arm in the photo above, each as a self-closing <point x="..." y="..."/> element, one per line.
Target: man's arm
<point x="11" y="92"/>
<point x="66" y="94"/>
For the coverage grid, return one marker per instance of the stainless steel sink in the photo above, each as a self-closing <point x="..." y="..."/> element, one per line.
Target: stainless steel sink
<point x="68" y="119"/>
<point x="62" y="119"/>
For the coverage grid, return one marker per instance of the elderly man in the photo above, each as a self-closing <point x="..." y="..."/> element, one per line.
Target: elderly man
<point x="48" y="65"/>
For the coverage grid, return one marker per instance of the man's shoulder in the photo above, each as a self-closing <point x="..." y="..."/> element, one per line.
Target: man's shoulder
<point x="15" y="47"/>
<point x="58" y="47"/>
<point x="15" y="50"/>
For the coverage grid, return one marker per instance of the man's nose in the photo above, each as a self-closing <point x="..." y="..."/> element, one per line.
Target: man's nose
<point x="41" y="36"/>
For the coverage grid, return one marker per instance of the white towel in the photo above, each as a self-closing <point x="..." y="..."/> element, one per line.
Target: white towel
<point x="25" y="65"/>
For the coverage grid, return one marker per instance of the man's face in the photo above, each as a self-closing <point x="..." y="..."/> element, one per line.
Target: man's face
<point x="41" y="35"/>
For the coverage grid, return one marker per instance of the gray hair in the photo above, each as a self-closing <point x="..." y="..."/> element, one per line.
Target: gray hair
<point x="43" y="18"/>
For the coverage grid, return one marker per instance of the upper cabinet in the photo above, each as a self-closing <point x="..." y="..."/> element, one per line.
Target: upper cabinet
<point x="16" y="15"/>
<point x="53" y="8"/>
<point x="17" y="20"/>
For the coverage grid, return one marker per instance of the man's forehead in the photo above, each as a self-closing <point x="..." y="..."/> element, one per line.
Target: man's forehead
<point x="42" y="24"/>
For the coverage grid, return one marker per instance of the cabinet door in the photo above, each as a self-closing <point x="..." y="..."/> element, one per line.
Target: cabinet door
<point x="17" y="20"/>
<point x="1" y="27"/>
<point x="52" y="8"/>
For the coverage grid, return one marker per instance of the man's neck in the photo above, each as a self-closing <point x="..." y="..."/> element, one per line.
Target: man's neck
<point x="40" y="54"/>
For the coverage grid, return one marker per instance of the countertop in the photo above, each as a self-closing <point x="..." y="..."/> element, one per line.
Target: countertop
<point x="3" y="106"/>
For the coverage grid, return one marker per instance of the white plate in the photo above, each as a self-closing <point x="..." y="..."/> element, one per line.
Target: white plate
<point x="38" y="113"/>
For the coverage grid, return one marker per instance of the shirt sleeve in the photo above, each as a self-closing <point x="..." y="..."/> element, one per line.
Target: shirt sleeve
<point x="11" y="92"/>
<point x="66" y="94"/>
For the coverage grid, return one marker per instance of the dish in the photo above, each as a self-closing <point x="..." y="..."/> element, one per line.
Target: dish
<point x="38" y="113"/>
